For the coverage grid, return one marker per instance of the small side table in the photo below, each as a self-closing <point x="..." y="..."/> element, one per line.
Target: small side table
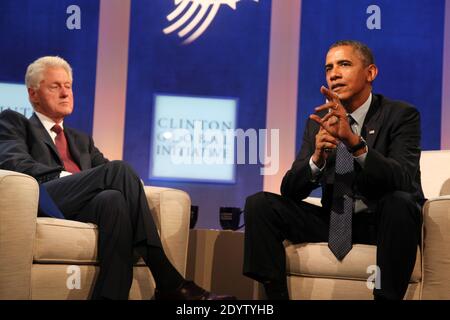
<point x="215" y="260"/>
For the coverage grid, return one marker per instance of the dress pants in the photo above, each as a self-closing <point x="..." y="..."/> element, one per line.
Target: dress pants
<point x="394" y="226"/>
<point x="112" y="197"/>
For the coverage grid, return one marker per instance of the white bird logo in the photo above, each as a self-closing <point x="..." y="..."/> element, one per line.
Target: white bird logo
<point x="181" y="16"/>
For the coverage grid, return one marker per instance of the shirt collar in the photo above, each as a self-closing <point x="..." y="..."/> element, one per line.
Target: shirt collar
<point x="360" y="113"/>
<point x="47" y="122"/>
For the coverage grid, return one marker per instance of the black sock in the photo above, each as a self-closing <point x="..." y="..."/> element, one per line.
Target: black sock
<point x="167" y="278"/>
<point x="276" y="289"/>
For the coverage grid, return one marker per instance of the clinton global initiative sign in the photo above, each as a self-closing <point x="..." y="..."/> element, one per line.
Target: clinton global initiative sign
<point x="15" y="97"/>
<point x="193" y="138"/>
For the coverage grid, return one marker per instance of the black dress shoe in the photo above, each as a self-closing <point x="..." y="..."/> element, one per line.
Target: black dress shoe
<point x="190" y="291"/>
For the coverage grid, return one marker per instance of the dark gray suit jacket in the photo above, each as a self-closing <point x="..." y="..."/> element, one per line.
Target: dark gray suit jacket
<point x="26" y="147"/>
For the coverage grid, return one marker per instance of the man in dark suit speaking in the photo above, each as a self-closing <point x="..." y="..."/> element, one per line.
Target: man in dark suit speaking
<point x="363" y="149"/>
<point x="87" y="187"/>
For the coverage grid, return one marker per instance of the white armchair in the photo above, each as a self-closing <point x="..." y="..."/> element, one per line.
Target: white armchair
<point x="314" y="273"/>
<point x="39" y="255"/>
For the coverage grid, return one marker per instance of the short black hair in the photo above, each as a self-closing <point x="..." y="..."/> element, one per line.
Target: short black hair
<point x="363" y="49"/>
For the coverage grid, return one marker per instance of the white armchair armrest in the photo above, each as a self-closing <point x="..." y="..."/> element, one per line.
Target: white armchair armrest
<point x="436" y="249"/>
<point x="171" y="211"/>
<point x="19" y="196"/>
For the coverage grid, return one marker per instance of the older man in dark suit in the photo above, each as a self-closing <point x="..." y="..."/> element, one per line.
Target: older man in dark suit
<point x="363" y="149"/>
<point x="87" y="187"/>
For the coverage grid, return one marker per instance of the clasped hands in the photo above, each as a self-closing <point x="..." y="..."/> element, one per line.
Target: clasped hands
<point x="334" y="127"/>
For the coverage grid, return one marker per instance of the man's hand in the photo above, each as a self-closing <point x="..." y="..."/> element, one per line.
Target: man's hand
<point x="325" y="142"/>
<point x="335" y="121"/>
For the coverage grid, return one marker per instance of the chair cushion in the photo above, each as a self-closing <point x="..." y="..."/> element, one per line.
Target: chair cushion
<point x="65" y="241"/>
<point x="316" y="260"/>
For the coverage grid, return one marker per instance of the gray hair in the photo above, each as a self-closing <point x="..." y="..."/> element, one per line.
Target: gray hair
<point x="35" y="70"/>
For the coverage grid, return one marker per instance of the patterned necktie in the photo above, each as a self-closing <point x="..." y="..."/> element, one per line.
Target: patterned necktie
<point x="63" y="150"/>
<point x="340" y="233"/>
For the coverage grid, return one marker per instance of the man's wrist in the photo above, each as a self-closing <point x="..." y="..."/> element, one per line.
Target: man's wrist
<point x="351" y="141"/>
<point x="357" y="147"/>
<point x="315" y="170"/>
<point x="360" y="151"/>
<point x="316" y="160"/>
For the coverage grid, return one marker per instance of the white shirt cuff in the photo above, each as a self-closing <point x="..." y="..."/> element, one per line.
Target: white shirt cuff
<point x="315" y="170"/>
<point x="65" y="174"/>
<point x="361" y="159"/>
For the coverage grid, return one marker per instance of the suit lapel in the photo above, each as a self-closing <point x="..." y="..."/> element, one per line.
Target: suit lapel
<point x="372" y="123"/>
<point x="43" y="134"/>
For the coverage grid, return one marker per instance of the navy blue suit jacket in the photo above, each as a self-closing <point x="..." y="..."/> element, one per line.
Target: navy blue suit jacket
<point x="392" y="131"/>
